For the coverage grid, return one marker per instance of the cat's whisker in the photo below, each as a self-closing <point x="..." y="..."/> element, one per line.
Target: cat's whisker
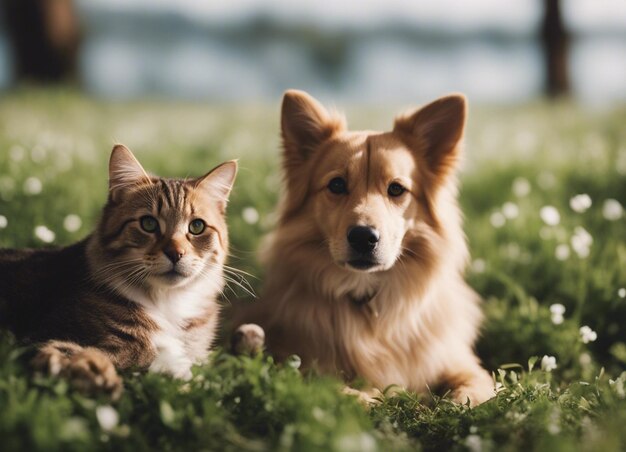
<point x="237" y="270"/>
<point x="242" y="282"/>
<point x="249" y="290"/>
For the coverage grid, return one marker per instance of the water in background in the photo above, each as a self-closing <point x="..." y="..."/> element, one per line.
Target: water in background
<point x="141" y="53"/>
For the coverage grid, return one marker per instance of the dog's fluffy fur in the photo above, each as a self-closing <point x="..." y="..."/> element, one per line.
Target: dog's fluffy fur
<point x="408" y="318"/>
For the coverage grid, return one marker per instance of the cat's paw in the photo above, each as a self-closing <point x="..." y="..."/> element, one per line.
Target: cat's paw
<point x="91" y="371"/>
<point x="248" y="339"/>
<point x="88" y="370"/>
<point x="49" y="360"/>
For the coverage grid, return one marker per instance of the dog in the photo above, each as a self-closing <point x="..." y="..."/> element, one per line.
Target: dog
<point x="364" y="270"/>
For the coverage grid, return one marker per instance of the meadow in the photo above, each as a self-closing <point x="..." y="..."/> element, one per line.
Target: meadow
<point x="543" y="190"/>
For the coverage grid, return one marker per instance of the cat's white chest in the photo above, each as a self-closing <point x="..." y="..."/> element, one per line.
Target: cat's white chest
<point x="170" y="313"/>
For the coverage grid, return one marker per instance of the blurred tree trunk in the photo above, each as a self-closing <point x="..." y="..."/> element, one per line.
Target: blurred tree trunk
<point x="44" y="37"/>
<point x="554" y="39"/>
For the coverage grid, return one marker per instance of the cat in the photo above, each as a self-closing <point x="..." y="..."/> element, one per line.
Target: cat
<point x="140" y="291"/>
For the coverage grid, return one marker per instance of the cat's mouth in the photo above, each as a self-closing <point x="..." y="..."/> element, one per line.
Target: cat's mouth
<point x="173" y="274"/>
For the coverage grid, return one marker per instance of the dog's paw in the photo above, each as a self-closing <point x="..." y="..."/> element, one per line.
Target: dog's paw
<point x="91" y="372"/>
<point x="365" y="398"/>
<point x="476" y="393"/>
<point x="248" y="339"/>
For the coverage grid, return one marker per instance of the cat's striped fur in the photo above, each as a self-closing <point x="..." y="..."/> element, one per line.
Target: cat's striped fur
<point x="125" y="297"/>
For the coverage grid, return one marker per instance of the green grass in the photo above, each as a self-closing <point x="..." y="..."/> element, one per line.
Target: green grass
<point x="557" y="151"/>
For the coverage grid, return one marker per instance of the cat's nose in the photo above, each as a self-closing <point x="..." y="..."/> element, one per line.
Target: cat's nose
<point x="174" y="254"/>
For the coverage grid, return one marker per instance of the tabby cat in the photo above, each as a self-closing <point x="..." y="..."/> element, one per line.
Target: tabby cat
<point x="141" y="291"/>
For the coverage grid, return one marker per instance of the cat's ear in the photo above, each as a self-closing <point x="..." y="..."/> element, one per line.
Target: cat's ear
<point x="435" y="132"/>
<point x="125" y="171"/>
<point x="218" y="183"/>
<point x="305" y="124"/>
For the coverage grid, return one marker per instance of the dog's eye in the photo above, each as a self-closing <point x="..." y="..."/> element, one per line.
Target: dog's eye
<point x="338" y="186"/>
<point x="395" y="189"/>
<point x="149" y="224"/>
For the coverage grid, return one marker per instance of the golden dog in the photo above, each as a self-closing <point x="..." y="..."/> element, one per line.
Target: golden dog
<point x="364" y="271"/>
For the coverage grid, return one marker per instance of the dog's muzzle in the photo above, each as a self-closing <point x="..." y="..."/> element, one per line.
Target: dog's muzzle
<point x="363" y="241"/>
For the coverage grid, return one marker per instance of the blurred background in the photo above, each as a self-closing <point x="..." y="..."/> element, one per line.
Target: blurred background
<point x="188" y="84"/>
<point x="365" y="51"/>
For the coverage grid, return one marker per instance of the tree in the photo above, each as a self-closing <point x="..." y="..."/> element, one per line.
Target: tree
<point x="555" y="40"/>
<point x="44" y="37"/>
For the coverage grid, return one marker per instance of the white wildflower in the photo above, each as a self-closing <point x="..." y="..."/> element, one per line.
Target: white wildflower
<point x="521" y="187"/>
<point x="474" y="443"/>
<point x="479" y="265"/>
<point x="250" y="215"/>
<point x="3" y="222"/>
<point x="557" y="308"/>
<point x="72" y="223"/>
<point x="44" y="234"/>
<point x="516" y="417"/>
<point x="548" y="363"/>
<point x="556" y="311"/>
<point x="612" y="210"/>
<point x="621" y="292"/>
<point x="525" y="141"/>
<point x="546" y="180"/>
<point x="580" y="203"/>
<point x="498" y="387"/>
<point x="107" y="417"/>
<point x="554" y="428"/>
<point x="357" y="441"/>
<point x="587" y="334"/>
<point x="512" y="251"/>
<point x="546" y="233"/>
<point x="17" y="153"/>
<point x="510" y="210"/>
<point x="562" y="252"/>
<point x="584" y="359"/>
<point x="581" y="242"/>
<point x="497" y="220"/>
<point x="38" y="154"/>
<point x="550" y="215"/>
<point x="32" y="186"/>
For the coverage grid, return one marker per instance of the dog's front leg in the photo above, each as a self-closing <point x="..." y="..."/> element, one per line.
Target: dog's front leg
<point x="469" y="381"/>
<point x="366" y="398"/>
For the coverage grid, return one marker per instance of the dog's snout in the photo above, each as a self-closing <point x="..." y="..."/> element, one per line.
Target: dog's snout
<point x="363" y="239"/>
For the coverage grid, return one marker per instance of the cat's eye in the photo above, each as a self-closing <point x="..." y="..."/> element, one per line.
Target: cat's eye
<point x="338" y="186"/>
<point x="149" y="224"/>
<point x="197" y="226"/>
<point x="395" y="189"/>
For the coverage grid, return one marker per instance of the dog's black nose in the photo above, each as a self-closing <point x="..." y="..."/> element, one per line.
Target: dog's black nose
<point x="363" y="239"/>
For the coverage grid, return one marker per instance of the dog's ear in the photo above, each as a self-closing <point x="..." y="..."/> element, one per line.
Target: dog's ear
<point x="305" y="124"/>
<point x="435" y="132"/>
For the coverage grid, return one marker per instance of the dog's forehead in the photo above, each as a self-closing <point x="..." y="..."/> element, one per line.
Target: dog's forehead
<point x="382" y="153"/>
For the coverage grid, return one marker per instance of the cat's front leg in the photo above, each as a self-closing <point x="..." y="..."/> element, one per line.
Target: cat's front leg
<point x="88" y="369"/>
<point x="171" y="357"/>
